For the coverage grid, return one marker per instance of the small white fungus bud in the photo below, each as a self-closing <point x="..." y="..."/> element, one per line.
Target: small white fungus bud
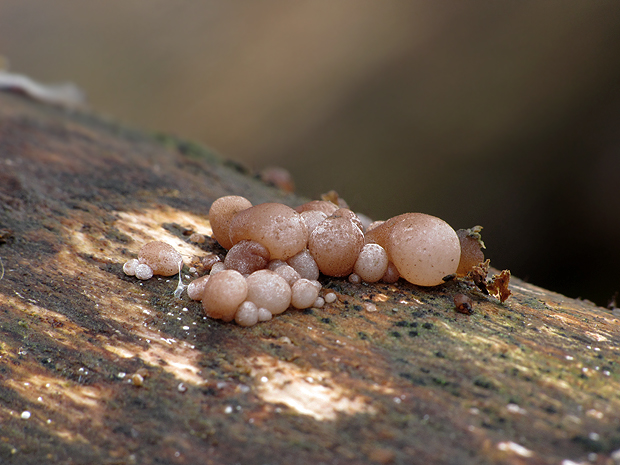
<point x="330" y="297"/>
<point x="371" y="263"/>
<point x="137" y="379"/>
<point x="197" y="238"/>
<point x="247" y="314"/>
<point x="305" y="265"/>
<point x="369" y="307"/>
<point x="264" y="314"/>
<point x="354" y="278"/>
<point x="217" y="267"/>
<point x="304" y="293"/>
<point x="319" y="302"/>
<point x="129" y="268"/>
<point x="143" y="271"/>
<point x="288" y="273"/>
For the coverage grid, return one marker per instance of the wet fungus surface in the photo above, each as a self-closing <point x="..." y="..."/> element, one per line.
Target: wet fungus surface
<point x="276" y="256"/>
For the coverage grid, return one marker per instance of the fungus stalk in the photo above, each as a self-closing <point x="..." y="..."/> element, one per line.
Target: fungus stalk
<point x="178" y="292"/>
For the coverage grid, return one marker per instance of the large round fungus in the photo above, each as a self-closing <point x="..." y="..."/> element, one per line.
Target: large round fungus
<point x="278" y="227"/>
<point x="162" y="258"/>
<point x="335" y="244"/>
<point x="223" y="293"/>
<point x="220" y="214"/>
<point x="269" y="290"/>
<point x="423" y="248"/>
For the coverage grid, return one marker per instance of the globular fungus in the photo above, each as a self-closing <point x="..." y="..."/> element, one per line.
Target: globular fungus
<point x="196" y="288"/>
<point x="277" y="227"/>
<point x="223" y="293"/>
<point x="276" y="255"/>
<point x="269" y="290"/>
<point x="247" y="257"/>
<point x="143" y="271"/>
<point x="222" y="212"/>
<point x="335" y="244"/>
<point x="423" y="248"/>
<point x="162" y="258"/>
<point x="371" y="263"/>
<point x="305" y="265"/>
<point x="304" y="293"/>
<point x="154" y="258"/>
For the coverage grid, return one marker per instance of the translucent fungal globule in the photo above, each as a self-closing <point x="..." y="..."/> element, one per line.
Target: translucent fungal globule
<point x="247" y="314"/>
<point x="196" y="289"/>
<point x="269" y="290"/>
<point x="335" y="244"/>
<point x="223" y="293"/>
<point x="305" y="265"/>
<point x="304" y="293"/>
<point x="277" y="227"/>
<point x="276" y="255"/>
<point x="143" y="271"/>
<point x="129" y="268"/>
<point x="221" y="213"/>
<point x="372" y="263"/>
<point x="162" y="258"/>
<point x="423" y="248"/>
<point x="247" y="257"/>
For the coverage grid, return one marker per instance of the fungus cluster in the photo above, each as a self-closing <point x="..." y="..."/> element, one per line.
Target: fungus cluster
<point x="276" y="254"/>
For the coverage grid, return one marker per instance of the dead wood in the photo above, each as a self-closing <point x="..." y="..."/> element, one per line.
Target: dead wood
<point x="532" y="380"/>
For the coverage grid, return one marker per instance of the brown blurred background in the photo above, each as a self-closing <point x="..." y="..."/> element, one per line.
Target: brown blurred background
<point x="504" y="114"/>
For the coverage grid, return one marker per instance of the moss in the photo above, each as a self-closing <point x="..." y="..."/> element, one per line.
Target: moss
<point x="189" y="148"/>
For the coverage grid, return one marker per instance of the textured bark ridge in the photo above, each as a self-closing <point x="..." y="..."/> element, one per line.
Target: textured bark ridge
<point x="97" y="367"/>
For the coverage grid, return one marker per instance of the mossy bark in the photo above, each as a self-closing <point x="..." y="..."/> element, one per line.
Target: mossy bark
<point x="533" y="380"/>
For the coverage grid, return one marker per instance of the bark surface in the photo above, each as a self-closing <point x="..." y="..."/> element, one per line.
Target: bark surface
<point x="98" y="367"/>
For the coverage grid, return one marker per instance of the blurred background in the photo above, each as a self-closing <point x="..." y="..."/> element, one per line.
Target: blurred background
<point x="503" y="114"/>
